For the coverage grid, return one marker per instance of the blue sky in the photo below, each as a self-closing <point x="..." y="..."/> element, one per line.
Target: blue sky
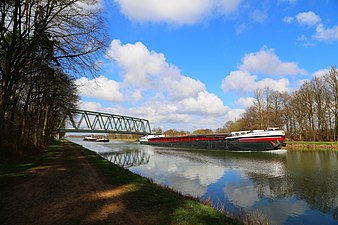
<point x="187" y="64"/>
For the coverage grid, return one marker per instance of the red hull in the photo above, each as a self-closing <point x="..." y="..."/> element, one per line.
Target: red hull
<point x="189" y="138"/>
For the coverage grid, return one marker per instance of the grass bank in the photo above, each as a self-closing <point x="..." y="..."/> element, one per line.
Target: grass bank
<point x="311" y="146"/>
<point x="14" y="171"/>
<point x="123" y="192"/>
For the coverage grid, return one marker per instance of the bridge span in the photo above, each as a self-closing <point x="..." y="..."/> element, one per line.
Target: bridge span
<point x="82" y="121"/>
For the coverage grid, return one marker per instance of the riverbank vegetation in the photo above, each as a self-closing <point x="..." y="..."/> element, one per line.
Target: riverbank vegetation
<point x="311" y="146"/>
<point x="43" y="46"/>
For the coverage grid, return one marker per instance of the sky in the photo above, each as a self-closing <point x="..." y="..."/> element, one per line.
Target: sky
<point x="194" y="64"/>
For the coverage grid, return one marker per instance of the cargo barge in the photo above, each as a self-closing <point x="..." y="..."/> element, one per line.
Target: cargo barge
<point x="89" y="138"/>
<point x="253" y="140"/>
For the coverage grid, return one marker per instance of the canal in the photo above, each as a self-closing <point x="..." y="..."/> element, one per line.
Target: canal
<point x="284" y="187"/>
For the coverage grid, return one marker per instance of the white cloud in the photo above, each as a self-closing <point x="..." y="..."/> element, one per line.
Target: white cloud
<point x="288" y="19"/>
<point x="205" y="103"/>
<point x="178" y="86"/>
<point x="275" y="85"/>
<point x="304" y="18"/>
<point x="267" y="62"/>
<point x="313" y="20"/>
<point x="161" y="112"/>
<point x="326" y="34"/>
<point x="137" y="95"/>
<point x="244" y="82"/>
<point x="90" y="106"/>
<point x="245" y="102"/>
<point x="178" y="12"/>
<point x="100" y="88"/>
<point x="174" y="11"/>
<point x="264" y="62"/>
<point x="238" y="80"/>
<point x="144" y="69"/>
<point x="320" y="73"/>
<point x="138" y="64"/>
<point x="308" y="18"/>
<point x="234" y="114"/>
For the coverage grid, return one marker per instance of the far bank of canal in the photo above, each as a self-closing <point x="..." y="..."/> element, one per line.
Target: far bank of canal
<point x="287" y="187"/>
<point x="311" y="146"/>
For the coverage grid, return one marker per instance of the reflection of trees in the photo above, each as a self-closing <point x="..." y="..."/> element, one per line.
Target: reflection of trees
<point x="127" y="159"/>
<point x="276" y="187"/>
<point x="314" y="179"/>
<point x="311" y="176"/>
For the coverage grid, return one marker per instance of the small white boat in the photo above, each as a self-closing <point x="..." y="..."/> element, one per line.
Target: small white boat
<point x="89" y="138"/>
<point x="146" y="138"/>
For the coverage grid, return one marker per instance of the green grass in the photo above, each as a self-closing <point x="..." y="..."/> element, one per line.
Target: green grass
<point x="15" y="171"/>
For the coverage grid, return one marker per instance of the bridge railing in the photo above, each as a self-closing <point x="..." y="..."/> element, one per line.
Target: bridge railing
<point x="98" y="122"/>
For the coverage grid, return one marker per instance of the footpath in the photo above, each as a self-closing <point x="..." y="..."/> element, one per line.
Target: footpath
<point x="71" y="185"/>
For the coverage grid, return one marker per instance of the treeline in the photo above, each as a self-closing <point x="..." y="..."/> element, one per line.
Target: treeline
<point x="43" y="45"/>
<point x="310" y="113"/>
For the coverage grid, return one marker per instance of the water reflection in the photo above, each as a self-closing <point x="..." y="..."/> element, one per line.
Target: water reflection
<point x="188" y="173"/>
<point x="315" y="179"/>
<point x="127" y="159"/>
<point x="287" y="187"/>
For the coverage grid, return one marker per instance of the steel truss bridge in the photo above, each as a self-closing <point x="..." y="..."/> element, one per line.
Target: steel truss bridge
<point x="81" y="121"/>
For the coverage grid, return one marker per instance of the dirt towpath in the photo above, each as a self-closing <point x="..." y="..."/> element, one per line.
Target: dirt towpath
<point x="67" y="190"/>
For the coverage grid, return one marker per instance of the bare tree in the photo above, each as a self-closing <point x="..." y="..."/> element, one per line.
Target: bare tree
<point x="332" y="82"/>
<point x="259" y="105"/>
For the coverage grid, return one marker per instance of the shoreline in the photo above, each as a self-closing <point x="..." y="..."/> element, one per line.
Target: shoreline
<point x="311" y="146"/>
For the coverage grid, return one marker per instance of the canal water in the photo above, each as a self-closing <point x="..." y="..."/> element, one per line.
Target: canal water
<point x="285" y="187"/>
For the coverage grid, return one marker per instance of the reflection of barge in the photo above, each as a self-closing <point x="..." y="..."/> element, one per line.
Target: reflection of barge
<point x="254" y="140"/>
